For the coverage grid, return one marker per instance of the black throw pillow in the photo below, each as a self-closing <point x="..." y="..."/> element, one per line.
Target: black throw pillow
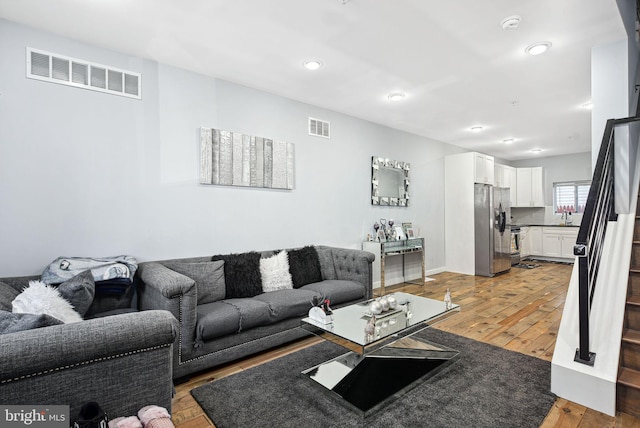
<point x="241" y="274"/>
<point x="304" y="266"/>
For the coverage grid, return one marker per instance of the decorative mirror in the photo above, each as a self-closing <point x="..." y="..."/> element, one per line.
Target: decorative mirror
<point x="389" y="182"/>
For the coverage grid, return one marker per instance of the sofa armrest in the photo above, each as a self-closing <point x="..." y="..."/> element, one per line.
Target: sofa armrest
<point x="168" y="283"/>
<point x="353" y="265"/>
<point x="162" y="288"/>
<point x="121" y="362"/>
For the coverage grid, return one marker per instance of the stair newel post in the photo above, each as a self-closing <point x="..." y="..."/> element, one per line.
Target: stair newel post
<point x="582" y="353"/>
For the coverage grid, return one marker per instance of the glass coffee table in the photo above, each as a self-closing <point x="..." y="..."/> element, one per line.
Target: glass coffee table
<point x="386" y="361"/>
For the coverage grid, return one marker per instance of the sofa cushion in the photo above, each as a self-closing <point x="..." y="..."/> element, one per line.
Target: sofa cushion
<point x="7" y="294"/>
<point x="13" y="322"/>
<point x="229" y="316"/>
<point x="79" y="291"/>
<point x="208" y="276"/>
<point x="338" y="291"/>
<point x="275" y="273"/>
<point x="304" y="266"/>
<point x="241" y="274"/>
<point x="216" y="319"/>
<point x="284" y="304"/>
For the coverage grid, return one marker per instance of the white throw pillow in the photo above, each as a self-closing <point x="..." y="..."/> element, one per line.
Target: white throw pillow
<point x="275" y="272"/>
<point x="40" y="298"/>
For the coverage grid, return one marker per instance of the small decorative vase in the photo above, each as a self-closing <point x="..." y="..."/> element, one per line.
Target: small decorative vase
<point x="375" y="307"/>
<point x="393" y="303"/>
<point x="384" y="303"/>
<point x="447" y="299"/>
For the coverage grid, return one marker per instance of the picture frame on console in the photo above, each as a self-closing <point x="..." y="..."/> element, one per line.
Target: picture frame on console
<point x="408" y="230"/>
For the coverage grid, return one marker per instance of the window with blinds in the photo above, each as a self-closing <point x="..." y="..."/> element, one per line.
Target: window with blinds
<point x="570" y="197"/>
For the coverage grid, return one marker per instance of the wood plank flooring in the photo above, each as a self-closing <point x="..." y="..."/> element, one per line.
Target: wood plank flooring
<point x="519" y="311"/>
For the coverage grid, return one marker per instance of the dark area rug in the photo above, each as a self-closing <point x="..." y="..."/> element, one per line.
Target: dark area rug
<point x="485" y="387"/>
<point x="526" y="265"/>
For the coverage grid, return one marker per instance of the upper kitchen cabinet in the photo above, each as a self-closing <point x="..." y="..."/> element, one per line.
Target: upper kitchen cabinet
<point x="505" y="176"/>
<point x="530" y="191"/>
<point x="483" y="168"/>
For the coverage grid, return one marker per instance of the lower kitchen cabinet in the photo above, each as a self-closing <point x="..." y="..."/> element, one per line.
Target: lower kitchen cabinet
<point x="558" y="241"/>
<point x="535" y="239"/>
<point x="531" y="241"/>
<point x="525" y="246"/>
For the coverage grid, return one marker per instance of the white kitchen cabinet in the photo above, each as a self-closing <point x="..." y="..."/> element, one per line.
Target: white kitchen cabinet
<point x="530" y="191"/>
<point x="525" y="243"/>
<point x="552" y="245"/>
<point x="498" y="175"/>
<point x="483" y="168"/>
<point x="559" y="241"/>
<point x="459" y="208"/>
<point x="504" y="176"/>
<point x="535" y="240"/>
<point x="512" y="180"/>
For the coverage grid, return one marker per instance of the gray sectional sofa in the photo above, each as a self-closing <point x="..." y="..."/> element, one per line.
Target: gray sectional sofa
<point x="123" y="362"/>
<point x="222" y="310"/>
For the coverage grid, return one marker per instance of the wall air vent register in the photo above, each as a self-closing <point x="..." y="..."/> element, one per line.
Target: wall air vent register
<point x="319" y="128"/>
<point x="55" y="68"/>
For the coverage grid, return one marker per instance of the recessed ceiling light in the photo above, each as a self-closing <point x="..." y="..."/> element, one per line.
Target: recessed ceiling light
<point x="508" y="140"/>
<point x="538" y="48"/>
<point x="536" y="151"/>
<point x="588" y="105"/>
<point x="510" y="22"/>
<point x="396" y="96"/>
<point x="476" y="128"/>
<point x="312" y="64"/>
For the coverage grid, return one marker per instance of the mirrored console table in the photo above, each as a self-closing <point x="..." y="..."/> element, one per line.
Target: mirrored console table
<point x="382" y="250"/>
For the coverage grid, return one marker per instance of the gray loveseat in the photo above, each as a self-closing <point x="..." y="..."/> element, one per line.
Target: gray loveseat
<point x="123" y="362"/>
<point x="226" y="327"/>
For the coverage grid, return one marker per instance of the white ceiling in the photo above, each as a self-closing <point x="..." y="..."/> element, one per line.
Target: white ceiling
<point x="451" y="58"/>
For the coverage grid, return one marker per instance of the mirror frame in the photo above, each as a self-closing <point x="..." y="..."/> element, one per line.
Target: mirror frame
<point x="376" y="198"/>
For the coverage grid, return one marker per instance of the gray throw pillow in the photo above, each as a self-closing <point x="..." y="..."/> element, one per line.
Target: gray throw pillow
<point x="11" y="322"/>
<point x="79" y="291"/>
<point x="7" y="294"/>
<point x="208" y="276"/>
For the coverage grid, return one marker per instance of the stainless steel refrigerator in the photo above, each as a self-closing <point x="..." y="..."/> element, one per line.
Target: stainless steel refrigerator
<point x="492" y="224"/>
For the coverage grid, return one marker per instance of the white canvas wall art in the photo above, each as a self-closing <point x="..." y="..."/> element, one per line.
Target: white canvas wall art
<point x="234" y="159"/>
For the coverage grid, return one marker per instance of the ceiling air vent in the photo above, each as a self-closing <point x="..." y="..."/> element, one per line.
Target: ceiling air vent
<point x="319" y="128"/>
<point x="61" y="69"/>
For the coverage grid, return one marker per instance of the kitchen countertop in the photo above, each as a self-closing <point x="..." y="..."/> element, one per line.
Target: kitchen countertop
<point x="545" y="225"/>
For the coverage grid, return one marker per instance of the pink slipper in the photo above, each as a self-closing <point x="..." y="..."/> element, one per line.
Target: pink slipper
<point x="128" y="422"/>
<point x="155" y="417"/>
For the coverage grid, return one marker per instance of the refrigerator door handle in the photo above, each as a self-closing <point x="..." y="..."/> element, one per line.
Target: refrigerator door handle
<point x="502" y="219"/>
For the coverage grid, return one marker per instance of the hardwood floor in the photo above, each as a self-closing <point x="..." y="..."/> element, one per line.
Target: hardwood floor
<point x="519" y="311"/>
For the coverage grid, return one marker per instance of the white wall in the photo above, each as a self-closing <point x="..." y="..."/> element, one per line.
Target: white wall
<point x="609" y="88"/>
<point x="89" y="174"/>
<point x="611" y="98"/>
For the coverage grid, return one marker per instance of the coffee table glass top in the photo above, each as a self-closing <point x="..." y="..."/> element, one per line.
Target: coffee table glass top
<point x="412" y="314"/>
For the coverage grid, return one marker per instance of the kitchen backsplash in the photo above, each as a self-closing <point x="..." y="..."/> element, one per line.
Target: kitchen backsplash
<point x="540" y="216"/>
